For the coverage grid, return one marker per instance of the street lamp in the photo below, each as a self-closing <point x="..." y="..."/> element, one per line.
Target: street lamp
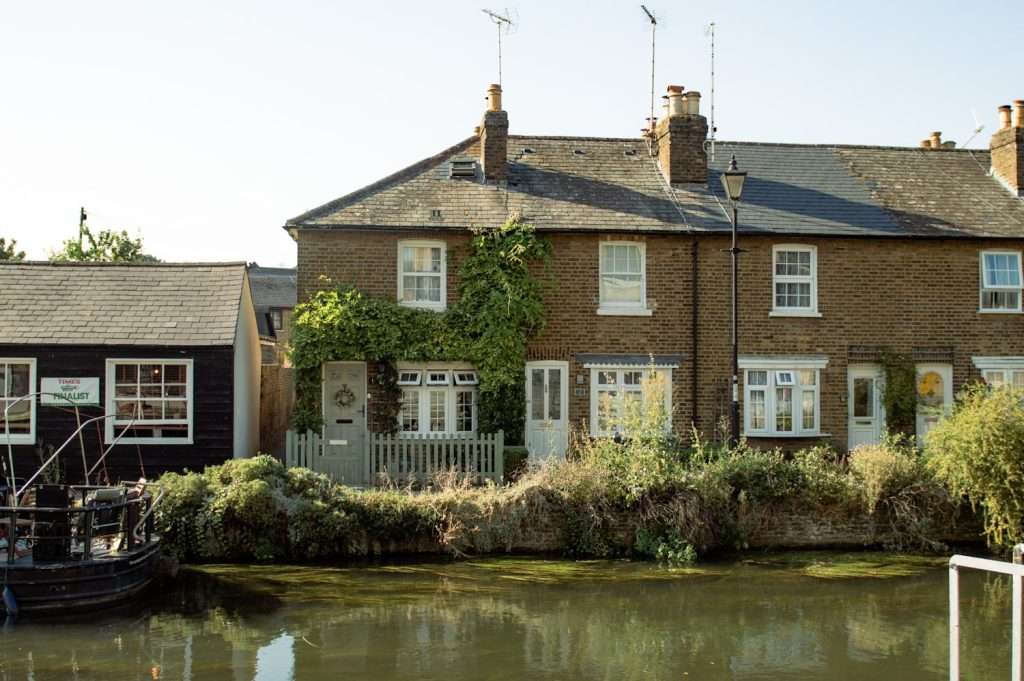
<point x="732" y="181"/>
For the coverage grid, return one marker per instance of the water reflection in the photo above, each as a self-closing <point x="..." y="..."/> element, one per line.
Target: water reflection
<point x="515" y="619"/>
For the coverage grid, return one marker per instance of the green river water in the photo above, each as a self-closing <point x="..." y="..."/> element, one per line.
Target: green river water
<point x="786" y="616"/>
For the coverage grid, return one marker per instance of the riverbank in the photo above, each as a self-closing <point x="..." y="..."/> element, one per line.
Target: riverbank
<point x="641" y="500"/>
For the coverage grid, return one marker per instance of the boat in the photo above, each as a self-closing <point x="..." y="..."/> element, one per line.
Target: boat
<point x="66" y="548"/>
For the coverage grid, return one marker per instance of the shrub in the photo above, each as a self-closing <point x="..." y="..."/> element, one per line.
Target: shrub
<point x="885" y="469"/>
<point x="977" y="451"/>
<point x="667" y="548"/>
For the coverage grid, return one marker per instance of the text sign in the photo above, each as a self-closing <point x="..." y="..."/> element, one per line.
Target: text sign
<point x="70" y="392"/>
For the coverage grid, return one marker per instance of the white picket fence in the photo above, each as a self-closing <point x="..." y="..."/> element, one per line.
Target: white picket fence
<point x="407" y="457"/>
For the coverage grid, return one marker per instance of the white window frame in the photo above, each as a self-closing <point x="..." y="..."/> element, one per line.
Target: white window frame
<point x="409" y="377"/>
<point x="773" y="368"/>
<point x="111" y="380"/>
<point x="985" y="286"/>
<point x="450" y="388"/>
<point x="606" y="308"/>
<point x="30" y="437"/>
<point x="423" y="304"/>
<point x="438" y="377"/>
<point x="619" y="370"/>
<point x="1008" y="366"/>
<point x="812" y="279"/>
<point x="466" y="377"/>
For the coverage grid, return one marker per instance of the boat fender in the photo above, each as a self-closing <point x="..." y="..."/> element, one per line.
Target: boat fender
<point x="10" y="603"/>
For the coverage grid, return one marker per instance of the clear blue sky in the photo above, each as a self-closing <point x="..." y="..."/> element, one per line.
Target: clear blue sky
<point x="203" y="126"/>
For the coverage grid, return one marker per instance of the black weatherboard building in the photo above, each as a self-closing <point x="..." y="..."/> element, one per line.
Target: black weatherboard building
<point x="168" y="353"/>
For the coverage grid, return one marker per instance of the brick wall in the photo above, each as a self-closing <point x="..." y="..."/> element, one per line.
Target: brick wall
<point x="913" y="296"/>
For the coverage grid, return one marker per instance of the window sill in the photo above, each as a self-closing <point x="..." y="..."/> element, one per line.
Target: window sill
<point x="980" y="311"/>
<point x="170" y="442"/>
<point x="17" y="439"/>
<point x="624" y="312"/>
<point x="432" y="307"/>
<point x="785" y="436"/>
<point x="794" y="313"/>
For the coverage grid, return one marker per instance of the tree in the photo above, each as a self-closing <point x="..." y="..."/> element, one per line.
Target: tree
<point x="9" y="250"/>
<point x="103" y="246"/>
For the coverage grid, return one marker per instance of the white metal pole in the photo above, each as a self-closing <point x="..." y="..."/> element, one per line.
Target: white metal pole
<point x="1015" y="666"/>
<point x="954" y="624"/>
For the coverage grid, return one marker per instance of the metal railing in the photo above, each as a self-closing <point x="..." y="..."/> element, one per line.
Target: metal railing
<point x="1016" y="572"/>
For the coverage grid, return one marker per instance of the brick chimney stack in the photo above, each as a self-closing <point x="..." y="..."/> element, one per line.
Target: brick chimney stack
<point x="679" y="138"/>
<point x="1007" y="147"/>
<point x="493" y="133"/>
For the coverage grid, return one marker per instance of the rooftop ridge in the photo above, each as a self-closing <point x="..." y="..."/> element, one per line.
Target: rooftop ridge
<point x="817" y="145"/>
<point x="48" y="263"/>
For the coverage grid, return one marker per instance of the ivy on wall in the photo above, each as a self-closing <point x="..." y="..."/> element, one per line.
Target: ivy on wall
<point x="500" y="307"/>
<point x="899" y="395"/>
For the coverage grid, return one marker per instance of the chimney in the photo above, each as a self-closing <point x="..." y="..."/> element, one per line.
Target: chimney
<point x="679" y="138"/>
<point x="936" y="140"/>
<point x="494" y="137"/>
<point x="1007" y="147"/>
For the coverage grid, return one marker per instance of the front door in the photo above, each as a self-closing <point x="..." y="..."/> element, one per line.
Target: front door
<point x="547" y="396"/>
<point x="344" y="401"/>
<point x="934" y="396"/>
<point x="866" y="413"/>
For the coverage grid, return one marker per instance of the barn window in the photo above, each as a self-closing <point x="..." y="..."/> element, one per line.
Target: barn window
<point x="150" y="400"/>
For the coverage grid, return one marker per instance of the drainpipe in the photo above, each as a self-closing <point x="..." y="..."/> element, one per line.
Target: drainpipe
<point x="694" y="306"/>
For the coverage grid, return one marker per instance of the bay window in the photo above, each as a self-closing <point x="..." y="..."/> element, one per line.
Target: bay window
<point x="780" y="400"/>
<point x="794" y="281"/>
<point x="999" y="372"/>
<point x="17" y="380"/>
<point x="422" y="274"/>
<point x="616" y="392"/>
<point x="1000" y="281"/>
<point x="151" y="401"/>
<point x="432" y="402"/>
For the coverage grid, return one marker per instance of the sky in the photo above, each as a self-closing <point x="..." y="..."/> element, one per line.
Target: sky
<point x="201" y="127"/>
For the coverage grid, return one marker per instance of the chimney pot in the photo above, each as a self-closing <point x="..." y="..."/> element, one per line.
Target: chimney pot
<point x="1004" y="116"/>
<point x="692" y="102"/>
<point x="936" y="140"/>
<point x="1018" y="113"/>
<point x="926" y="143"/>
<point x="679" y="139"/>
<point x="494" y="97"/>
<point x="676" y="106"/>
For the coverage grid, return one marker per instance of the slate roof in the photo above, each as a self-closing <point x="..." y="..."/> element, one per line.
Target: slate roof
<point x="592" y="184"/>
<point x="114" y="304"/>
<point x="272" y="287"/>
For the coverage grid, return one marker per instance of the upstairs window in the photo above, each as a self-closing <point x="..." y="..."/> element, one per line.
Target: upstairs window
<point x="277" y="318"/>
<point x="151" y="399"/>
<point x="794" y="281"/>
<point x="1000" y="281"/>
<point x="17" y="377"/>
<point x="422" y="274"/>
<point x="623" y="285"/>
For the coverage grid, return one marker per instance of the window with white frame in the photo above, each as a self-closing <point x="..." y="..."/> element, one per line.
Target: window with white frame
<point x="794" y="280"/>
<point x="422" y="272"/>
<point x="614" y="391"/>
<point x="1000" y="281"/>
<point x="623" y="281"/>
<point x="151" y="400"/>
<point x="998" y="372"/>
<point x="780" y="401"/>
<point x="433" y="403"/>
<point x="17" y="380"/>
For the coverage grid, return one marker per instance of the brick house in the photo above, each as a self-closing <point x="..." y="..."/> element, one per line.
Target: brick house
<point x="850" y="252"/>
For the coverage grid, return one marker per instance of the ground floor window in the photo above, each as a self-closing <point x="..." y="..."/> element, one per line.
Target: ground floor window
<point x="781" y="399"/>
<point x="998" y="372"/>
<point x="17" y="379"/>
<point x="437" y="399"/>
<point x="616" y="393"/>
<point x="151" y="400"/>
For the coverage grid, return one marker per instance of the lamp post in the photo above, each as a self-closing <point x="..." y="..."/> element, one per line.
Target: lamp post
<point x="732" y="181"/>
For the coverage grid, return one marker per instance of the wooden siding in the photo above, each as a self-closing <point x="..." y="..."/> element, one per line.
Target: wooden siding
<point x="212" y="411"/>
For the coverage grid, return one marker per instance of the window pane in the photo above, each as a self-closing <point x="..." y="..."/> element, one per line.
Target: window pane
<point x="632" y="378"/>
<point x="464" y="411"/>
<point x="1000" y="300"/>
<point x="1018" y="379"/>
<point x="126" y="390"/>
<point x="421" y="259"/>
<point x="150" y="373"/>
<point x="126" y="373"/>
<point x="995" y="378"/>
<point x="793" y="263"/>
<point x="437" y="411"/>
<point x="20" y="415"/>
<point x="152" y="410"/>
<point x="784" y="409"/>
<point x="864" y="398"/>
<point x="174" y="391"/>
<point x="757" y="378"/>
<point x="621" y="288"/>
<point x="3" y="380"/>
<point x="808" y="410"/>
<point x="126" y="409"/>
<point x="554" y="394"/>
<point x="174" y="373"/>
<point x="17" y="380"/>
<point x="607" y="410"/>
<point x="606" y="378"/>
<point x="757" y="410"/>
<point x="410" y="414"/>
<point x="792" y="294"/>
<point x="152" y="391"/>
<point x="1001" y="269"/>
<point x="807" y="376"/>
<point x="176" y="409"/>
<point x="537" y="394"/>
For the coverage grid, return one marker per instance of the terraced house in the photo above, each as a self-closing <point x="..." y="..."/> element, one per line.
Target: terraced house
<point x="851" y="254"/>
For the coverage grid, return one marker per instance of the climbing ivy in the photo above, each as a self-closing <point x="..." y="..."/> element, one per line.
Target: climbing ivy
<point x="899" y="395"/>
<point x="499" y="308"/>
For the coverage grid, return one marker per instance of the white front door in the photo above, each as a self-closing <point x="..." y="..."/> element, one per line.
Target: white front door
<point x="547" y="396"/>
<point x="344" y="402"/>
<point x="934" y="396"/>
<point x="866" y="413"/>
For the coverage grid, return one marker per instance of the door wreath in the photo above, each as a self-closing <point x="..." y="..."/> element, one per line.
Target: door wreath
<point x="344" y="397"/>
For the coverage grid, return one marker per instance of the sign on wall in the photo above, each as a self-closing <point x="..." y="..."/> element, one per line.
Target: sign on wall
<point x="67" y="392"/>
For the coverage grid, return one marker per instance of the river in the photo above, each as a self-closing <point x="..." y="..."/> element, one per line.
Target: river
<point x="786" y="616"/>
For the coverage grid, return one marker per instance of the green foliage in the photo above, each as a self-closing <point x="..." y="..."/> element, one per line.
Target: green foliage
<point x="103" y="246"/>
<point x="499" y="308"/>
<point x="668" y="549"/>
<point x="976" y="451"/>
<point x="9" y="250"/>
<point x="886" y="469"/>
<point x="899" y="394"/>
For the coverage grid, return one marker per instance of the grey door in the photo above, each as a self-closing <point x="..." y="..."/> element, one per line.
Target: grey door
<point x="344" y="422"/>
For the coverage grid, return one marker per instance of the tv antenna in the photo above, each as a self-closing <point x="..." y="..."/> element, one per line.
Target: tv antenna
<point x="710" y="31"/>
<point x="654" y="27"/>
<point x="978" y="127"/>
<point x="505" y="24"/>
